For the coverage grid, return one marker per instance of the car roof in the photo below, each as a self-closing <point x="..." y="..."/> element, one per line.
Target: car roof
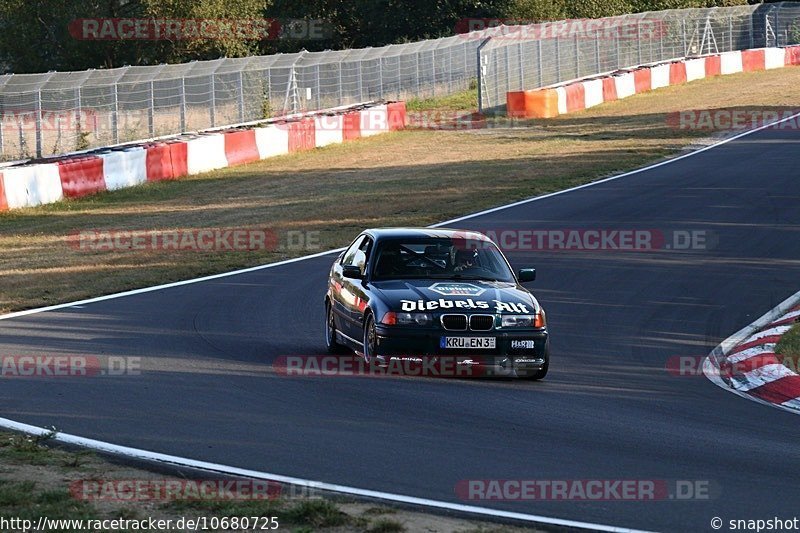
<point x="405" y="233"/>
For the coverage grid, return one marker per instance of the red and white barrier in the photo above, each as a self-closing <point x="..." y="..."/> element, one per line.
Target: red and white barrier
<point x="730" y="62"/>
<point x="124" y="168"/>
<point x="240" y="147"/>
<point x="205" y="153"/>
<point x="585" y="93"/>
<point x="625" y="85"/>
<point x="329" y="129"/>
<point x="659" y="76"/>
<point x="695" y="69"/>
<point x="32" y="185"/>
<point x="111" y="169"/>
<point x="593" y="93"/>
<point x="3" y="202"/>
<point x="272" y="141"/>
<point x="374" y="121"/>
<point x="774" y="58"/>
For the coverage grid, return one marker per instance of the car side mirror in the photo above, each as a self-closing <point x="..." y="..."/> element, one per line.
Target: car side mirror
<point x="352" y="272"/>
<point x="527" y="274"/>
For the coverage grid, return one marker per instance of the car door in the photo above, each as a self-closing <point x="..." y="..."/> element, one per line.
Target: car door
<point x="354" y="291"/>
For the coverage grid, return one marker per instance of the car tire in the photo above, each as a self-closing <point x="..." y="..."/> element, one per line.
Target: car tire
<point x="370" y="339"/>
<point x="331" y="343"/>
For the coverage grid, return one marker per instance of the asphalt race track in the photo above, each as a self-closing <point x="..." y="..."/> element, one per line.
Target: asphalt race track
<point x="607" y="410"/>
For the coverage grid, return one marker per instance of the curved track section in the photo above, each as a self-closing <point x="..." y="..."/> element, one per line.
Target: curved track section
<point x="608" y="409"/>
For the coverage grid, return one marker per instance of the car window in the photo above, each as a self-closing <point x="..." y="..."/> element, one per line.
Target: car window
<point x="361" y="255"/>
<point x="350" y="253"/>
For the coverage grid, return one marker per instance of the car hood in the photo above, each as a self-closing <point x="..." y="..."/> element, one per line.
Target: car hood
<point x="425" y="295"/>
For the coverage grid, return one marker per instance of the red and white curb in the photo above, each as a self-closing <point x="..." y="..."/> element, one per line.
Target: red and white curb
<point x="747" y="365"/>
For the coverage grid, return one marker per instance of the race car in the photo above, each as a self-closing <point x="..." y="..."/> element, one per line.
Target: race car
<point x="435" y="294"/>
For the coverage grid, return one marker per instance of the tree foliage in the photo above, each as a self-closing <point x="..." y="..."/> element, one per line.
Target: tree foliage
<point x="35" y="34"/>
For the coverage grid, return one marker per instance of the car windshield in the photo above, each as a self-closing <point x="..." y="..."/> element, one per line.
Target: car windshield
<point x="440" y="258"/>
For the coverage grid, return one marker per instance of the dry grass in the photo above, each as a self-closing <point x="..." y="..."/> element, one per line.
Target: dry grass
<point x="404" y="178"/>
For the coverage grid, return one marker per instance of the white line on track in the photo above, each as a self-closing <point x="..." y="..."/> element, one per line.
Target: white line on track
<point x="398" y="498"/>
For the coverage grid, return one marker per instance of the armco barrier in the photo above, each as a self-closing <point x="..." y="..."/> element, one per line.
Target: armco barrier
<point x="593" y="93"/>
<point x="240" y="147"/>
<point x="159" y="162"/>
<point x="352" y="126"/>
<point x="677" y="73"/>
<point x="642" y="80"/>
<point x="124" y="168"/>
<point x="31" y="185"/>
<point x="576" y="97"/>
<point x="3" y="203"/>
<point x="731" y="62"/>
<point x="792" y="55"/>
<point x="753" y="60"/>
<point x="396" y="115"/>
<point x="374" y="120"/>
<point x="713" y="66"/>
<point x="328" y="130"/>
<point x="625" y="85"/>
<point x="272" y="141"/>
<point x="81" y="176"/>
<point x="588" y="92"/>
<point x="301" y="135"/>
<point x="774" y="58"/>
<point x="205" y="153"/>
<point x="609" y="89"/>
<point x="114" y="168"/>
<point x="659" y="77"/>
<point x="695" y="69"/>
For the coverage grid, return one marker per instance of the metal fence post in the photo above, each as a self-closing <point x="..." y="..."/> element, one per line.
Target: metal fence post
<point x="241" y="96"/>
<point x="317" y="88"/>
<point x="38" y="107"/>
<point x="683" y="34"/>
<point x="539" y="54"/>
<point x="521" y="67"/>
<point x="341" y="97"/>
<point x="597" y="54"/>
<point x="577" y="57"/>
<point x="115" y="114"/>
<point x="730" y="33"/>
<point x="360" y="83"/>
<point x="479" y="72"/>
<point x="213" y="109"/>
<point x="380" y="77"/>
<point x="78" y="125"/>
<point x="416" y="77"/>
<point x="183" y="105"/>
<point x="558" y="58"/>
<point x="433" y="70"/>
<point x="508" y="71"/>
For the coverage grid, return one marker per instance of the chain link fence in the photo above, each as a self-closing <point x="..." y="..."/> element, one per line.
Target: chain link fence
<point x="528" y="57"/>
<point x="60" y="112"/>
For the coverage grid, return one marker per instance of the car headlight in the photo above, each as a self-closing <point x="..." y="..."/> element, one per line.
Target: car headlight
<point x="524" y="321"/>
<point x="407" y="319"/>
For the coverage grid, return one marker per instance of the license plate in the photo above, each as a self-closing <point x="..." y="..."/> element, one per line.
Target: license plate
<point x="523" y="345"/>
<point x="468" y="343"/>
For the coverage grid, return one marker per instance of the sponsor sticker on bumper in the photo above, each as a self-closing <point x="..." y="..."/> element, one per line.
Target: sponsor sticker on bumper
<point x="468" y="342"/>
<point x="523" y="345"/>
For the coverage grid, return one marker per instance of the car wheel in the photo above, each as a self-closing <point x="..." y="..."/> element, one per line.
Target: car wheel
<point x="331" y="343"/>
<point x="370" y="339"/>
